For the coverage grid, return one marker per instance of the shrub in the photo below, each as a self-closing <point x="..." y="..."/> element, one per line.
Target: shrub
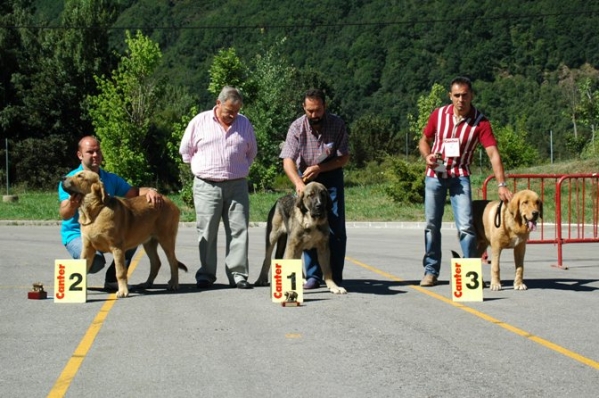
<point x="405" y="180"/>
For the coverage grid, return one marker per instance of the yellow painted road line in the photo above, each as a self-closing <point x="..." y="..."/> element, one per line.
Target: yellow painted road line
<point x="70" y="370"/>
<point x="545" y="343"/>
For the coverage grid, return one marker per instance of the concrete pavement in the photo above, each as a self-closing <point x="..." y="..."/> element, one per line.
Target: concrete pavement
<point x="387" y="337"/>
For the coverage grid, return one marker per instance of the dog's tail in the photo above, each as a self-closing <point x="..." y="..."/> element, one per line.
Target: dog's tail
<point x="181" y="266"/>
<point x="484" y="258"/>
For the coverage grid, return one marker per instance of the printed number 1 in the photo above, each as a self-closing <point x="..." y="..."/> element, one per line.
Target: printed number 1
<point x="292" y="278"/>
<point x="75" y="285"/>
<point x="474" y="283"/>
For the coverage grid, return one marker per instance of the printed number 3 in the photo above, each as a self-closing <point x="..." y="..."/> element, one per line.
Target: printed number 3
<point x="474" y="282"/>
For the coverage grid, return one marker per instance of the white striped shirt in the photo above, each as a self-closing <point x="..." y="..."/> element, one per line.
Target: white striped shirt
<point x="216" y="154"/>
<point x="471" y="130"/>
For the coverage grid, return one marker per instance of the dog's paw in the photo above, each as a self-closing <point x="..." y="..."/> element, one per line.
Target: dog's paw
<point x="520" y="286"/>
<point x="172" y="286"/>
<point x="144" y="286"/>
<point x="495" y="286"/>
<point x="122" y="293"/>
<point x="338" y="290"/>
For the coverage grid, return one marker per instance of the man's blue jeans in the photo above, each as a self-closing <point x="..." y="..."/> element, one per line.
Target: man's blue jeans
<point x="74" y="248"/>
<point x="434" y="204"/>
<point x="333" y="181"/>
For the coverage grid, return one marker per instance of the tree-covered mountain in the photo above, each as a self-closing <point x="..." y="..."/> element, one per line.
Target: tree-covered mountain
<point x="378" y="57"/>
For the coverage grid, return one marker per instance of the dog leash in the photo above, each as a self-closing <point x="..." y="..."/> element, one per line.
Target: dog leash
<point x="498" y="215"/>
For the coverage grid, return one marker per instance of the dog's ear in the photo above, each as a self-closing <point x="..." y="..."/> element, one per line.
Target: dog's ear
<point x="99" y="192"/>
<point x="513" y="207"/>
<point x="299" y="202"/>
<point x="84" y="218"/>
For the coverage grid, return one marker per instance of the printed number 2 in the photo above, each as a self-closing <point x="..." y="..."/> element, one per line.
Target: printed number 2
<point x="75" y="285"/>
<point x="292" y="278"/>
<point x="474" y="283"/>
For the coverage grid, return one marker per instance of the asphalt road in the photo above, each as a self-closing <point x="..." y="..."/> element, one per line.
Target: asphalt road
<point x="387" y="337"/>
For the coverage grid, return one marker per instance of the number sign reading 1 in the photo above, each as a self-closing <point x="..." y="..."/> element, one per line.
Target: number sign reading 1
<point x="70" y="281"/>
<point x="466" y="279"/>
<point x="286" y="281"/>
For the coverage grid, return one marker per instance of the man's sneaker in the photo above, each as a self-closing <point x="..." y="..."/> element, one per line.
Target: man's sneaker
<point x="311" y="283"/>
<point x="429" y="280"/>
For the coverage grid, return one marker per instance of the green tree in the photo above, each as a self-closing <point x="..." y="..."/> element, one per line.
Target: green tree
<point x="184" y="170"/>
<point x="515" y="152"/>
<point x="373" y="137"/>
<point x="426" y="105"/>
<point x="271" y="108"/>
<point x="121" y="113"/>
<point x="47" y="76"/>
<point x="226" y="70"/>
<point x="588" y="108"/>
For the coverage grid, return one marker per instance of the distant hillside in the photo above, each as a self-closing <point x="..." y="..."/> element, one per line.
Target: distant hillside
<point x="378" y="57"/>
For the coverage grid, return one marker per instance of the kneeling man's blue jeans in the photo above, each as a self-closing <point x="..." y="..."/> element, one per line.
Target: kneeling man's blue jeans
<point x="74" y="248"/>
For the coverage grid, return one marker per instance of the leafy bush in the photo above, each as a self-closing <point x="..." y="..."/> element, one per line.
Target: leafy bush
<point x="372" y="173"/>
<point x="372" y="138"/>
<point x="405" y="180"/>
<point x="515" y="152"/>
<point x="31" y="170"/>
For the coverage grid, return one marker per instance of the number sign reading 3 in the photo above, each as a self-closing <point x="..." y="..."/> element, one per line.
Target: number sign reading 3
<point x="466" y="279"/>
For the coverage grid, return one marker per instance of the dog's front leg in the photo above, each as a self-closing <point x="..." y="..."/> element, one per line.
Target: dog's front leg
<point x="87" y="253"/>
<point x="519" y="252"/>
<point x="121" y="271"/>
<point x="495" y="277"/>
<point x="324" y="259"/>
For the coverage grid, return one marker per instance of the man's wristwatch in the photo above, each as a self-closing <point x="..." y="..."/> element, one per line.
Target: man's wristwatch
<point x="502" y="184"/>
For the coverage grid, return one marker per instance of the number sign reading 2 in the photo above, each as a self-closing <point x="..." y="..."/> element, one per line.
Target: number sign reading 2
<point x="70" y="281"/>
<point x="466" y="279"/>
<point x="286" y="277"/>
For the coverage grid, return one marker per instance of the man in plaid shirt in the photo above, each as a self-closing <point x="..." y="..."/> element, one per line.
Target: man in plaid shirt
<point x="317" y="149"/>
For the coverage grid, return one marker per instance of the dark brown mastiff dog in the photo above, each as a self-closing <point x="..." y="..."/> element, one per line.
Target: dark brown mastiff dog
<point x="296" y="224"/>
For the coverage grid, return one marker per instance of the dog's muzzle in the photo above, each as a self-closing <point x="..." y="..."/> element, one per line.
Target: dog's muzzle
<point x="318" y="210"/>
<point x="64" y="181"/>
<point x="532" y="223"/>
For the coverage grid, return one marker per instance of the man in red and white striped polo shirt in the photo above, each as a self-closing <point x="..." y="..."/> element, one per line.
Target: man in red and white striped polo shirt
<point x="447" y="145"/>
<point x="220" y="145"/>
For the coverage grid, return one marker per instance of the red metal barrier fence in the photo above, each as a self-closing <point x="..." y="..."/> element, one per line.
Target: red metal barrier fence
<point x="570" y="210"/>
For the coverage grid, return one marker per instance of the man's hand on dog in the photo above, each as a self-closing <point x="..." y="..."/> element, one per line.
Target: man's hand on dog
<point x="505" y="194"/>
<point x="155" y="198"/>
<point x="75" y="200"/>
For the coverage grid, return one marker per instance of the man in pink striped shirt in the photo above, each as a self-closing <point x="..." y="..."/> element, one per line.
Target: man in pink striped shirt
<point x="220" y="145"/>
<point x="447" y="145"/>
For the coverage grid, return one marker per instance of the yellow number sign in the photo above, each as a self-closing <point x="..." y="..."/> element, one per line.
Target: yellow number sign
<point x="286" y="281"/>
<point x="466" y="279"/>
<point x="70" y="281"/>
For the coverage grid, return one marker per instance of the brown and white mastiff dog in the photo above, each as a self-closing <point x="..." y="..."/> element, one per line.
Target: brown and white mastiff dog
<point x="300" y="223"/>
